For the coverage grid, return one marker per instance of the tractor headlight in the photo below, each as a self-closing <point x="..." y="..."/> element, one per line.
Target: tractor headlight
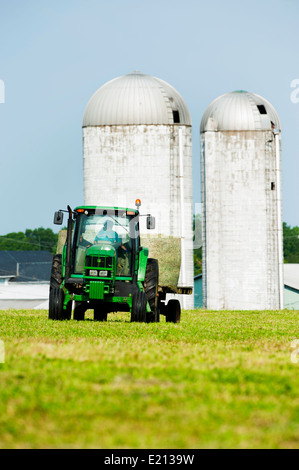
<point x="93" y="272"/>
<point x="96" y="273"/>
<point x="103" y="273"/>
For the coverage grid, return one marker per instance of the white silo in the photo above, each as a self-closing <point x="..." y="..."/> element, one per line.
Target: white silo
<point x="137" y="144"/>
<point x="241" y="196"/>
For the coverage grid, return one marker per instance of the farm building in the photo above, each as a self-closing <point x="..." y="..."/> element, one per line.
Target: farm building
<point x="241" y="199"/>
<point x="24" y="279"/>
<point x="137" y="144"/>
<point x="291" y="288"/>
<point x="198" y="300"/>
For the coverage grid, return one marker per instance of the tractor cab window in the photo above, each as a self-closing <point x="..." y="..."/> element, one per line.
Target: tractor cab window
<point x="104" y="228"/>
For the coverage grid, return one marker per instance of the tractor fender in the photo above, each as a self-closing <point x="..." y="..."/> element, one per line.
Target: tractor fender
<point x="142" y="263"/>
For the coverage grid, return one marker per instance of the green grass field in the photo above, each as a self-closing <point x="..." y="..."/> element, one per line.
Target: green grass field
<point x="216" y="380"/>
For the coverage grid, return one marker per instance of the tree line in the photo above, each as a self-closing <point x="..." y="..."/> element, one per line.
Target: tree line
<point x="39" y="239"/>
<point x="290" y="244"/>
<point x="44" y="239"/>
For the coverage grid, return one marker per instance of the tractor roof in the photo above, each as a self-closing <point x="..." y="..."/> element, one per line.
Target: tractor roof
<point x="127" y="209"/>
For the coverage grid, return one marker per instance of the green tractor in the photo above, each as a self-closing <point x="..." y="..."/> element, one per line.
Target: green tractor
<point x="103" y="267"/>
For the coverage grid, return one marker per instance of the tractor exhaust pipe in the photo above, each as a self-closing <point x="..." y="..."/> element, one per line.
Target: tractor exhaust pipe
<point x="68" y="244"/>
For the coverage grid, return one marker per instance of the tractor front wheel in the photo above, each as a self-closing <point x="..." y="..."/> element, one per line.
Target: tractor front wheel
<point x="138" y="313"/>
<point x="100" y="314"/>
<point x="56" y="301"/>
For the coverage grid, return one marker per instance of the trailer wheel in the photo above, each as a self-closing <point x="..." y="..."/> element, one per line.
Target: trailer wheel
<point x="56" y="300"/>
<point x="139" y="302"/>
<point x="173" y="311"/>
<point x="150" y="284"/>
<point x="79" y="311"/>
<point x="56" y="272"/>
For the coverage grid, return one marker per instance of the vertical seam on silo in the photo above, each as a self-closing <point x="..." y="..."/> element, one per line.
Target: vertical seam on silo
<point x="269" y="231"/>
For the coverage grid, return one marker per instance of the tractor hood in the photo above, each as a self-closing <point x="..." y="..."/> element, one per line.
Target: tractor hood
<point x="102" y="261"/>
<point x="101" y="249"/>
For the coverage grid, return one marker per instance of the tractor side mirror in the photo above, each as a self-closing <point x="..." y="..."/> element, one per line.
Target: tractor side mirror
<point x="58" y="218"/>
<point x="150" y="222"/>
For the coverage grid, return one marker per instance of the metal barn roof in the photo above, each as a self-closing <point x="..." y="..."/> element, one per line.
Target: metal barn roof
<point x="291" y="275"/>
<point x="239" y="111"/>
<point x="23" y="295"/>
<point x="26" y="266"/>
<point x="136" y="98"/>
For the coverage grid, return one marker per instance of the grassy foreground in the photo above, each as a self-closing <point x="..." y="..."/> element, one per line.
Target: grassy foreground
<point x="216" y="380"/>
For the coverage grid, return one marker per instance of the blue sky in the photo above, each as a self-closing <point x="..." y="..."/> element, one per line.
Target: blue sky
<point x="55" y="55"/>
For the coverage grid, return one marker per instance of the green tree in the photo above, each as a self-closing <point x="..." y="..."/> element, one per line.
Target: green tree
<point x="39" y="239"/>
<point x="197" y="260"/>
<point x="290" y="244"/>
<point x="197" y="247"/>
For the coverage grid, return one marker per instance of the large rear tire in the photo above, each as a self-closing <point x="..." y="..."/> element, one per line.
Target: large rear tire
<point x="138" y="313"/>
<point x="173" y="311"/>
<point x="56" y="272"/>
<point x="56" y="301"/>
<point x="150" y="284"/>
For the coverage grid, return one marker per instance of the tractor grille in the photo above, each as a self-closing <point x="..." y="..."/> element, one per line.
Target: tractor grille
<point x="96" y="290"/>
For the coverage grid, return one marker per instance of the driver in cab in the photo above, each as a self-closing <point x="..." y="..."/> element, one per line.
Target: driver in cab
<point x="108" y="235"/>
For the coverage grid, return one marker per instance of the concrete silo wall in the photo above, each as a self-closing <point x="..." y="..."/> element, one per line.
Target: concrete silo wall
<point x="126" y="162"/>
<point x="240" y="214"/>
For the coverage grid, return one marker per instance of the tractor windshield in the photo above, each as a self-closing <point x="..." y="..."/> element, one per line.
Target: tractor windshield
<point x="102" y="227"/>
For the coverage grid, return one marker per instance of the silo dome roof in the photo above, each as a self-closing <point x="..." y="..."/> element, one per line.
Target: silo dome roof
<point x="136" y="98"/>
<point x="239" y="111"/>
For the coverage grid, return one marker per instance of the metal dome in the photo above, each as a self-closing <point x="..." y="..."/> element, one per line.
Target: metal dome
<point x="239" y="111"/>
<point x="136" y="98"/>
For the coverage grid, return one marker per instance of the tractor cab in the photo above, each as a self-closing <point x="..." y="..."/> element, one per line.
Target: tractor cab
<point x="105" y="242"/>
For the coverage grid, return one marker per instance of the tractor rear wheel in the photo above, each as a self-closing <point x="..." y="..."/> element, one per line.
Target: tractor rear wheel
<point x="56" y="310"/>
<point x="150" y="285"/>
<point x="56" y="272"/>
<point x="139" y="302"/>
<point x="79" y="311"/>
<point x="173" y="311"/>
